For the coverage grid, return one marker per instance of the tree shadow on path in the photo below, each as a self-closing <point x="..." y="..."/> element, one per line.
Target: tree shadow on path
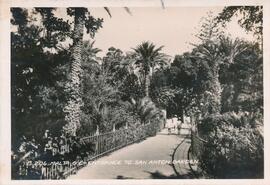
<point x="123" y="177"/>
<point x="159" y="175"/>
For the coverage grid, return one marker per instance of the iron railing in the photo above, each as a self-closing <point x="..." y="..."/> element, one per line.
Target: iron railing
<point x="95" y="145"/>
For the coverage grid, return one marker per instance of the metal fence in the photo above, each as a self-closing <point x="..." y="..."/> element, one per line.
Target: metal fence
<point x="197" y="145"/>
<point x="103" y="143"/>
<point x="95" y="146"/>
<point x="196" y="150"/>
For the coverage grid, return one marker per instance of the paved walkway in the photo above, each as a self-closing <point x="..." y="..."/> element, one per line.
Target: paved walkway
<point x="148" y="159"/>
<point x="181" y="153"/>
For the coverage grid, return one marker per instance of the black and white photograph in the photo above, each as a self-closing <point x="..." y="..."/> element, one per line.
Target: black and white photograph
<point x="136" y="92"/>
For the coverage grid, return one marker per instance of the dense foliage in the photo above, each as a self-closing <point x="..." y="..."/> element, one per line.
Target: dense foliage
<point x="37" y="78"/>
<point x="219" y="84"/>
<point x="234" y="147"/>
<point x="110" y="87"/>
<point x="67" y="87"/>
<point x="234" y="136"/>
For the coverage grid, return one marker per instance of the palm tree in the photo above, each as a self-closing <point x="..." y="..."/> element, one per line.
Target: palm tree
<point x="99" y="96"/>
<point x="147" y="110"/>
<point x="74" y="102"/>
<point x="89" y="51"/>
<point x="90" y="60"/>
<point x="72" y="109"/>
<point x="215" y="53"/>
<point x="148" y="57"/>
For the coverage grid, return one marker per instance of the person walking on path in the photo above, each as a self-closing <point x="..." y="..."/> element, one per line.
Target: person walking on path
<point x="174" y="123"/>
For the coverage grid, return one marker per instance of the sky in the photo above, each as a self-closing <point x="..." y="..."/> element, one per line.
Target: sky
<point x="173" y="27"/>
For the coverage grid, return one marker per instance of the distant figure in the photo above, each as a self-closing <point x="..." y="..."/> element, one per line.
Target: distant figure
<point x="174" y="123"/>
<point x="179" y="123"/>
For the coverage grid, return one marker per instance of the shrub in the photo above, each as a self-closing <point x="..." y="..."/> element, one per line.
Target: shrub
<point x="234" y="147"/>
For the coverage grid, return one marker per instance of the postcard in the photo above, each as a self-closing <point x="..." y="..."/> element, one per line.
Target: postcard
<point x="134" y="92"/>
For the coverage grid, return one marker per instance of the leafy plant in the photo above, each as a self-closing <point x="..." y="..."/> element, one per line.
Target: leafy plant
<point x="234" y="147"/>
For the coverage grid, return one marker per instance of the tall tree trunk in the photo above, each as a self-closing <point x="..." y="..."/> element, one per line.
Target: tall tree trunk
<point x="212" y="96"/>
<point x="182" y="115"/>
<point x="215" y="90"/>
<point x="146" y="84"/>
<point x="73" y="107"/>
<point x="147" y="81"/>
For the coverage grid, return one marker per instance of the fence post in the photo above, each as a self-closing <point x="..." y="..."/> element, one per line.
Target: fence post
<point x="192" y="142"/>
<point x="97" y="131"/>
<point x="113" y="127"/>
<point x="114" y="140"/>
<point x="126" y="133"/>
<point x="97" y="144"/>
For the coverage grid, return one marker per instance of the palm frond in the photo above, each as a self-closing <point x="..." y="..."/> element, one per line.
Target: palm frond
<point x="231" y="48"/>
<point x="108" y="11"/>
<point x="128" y="10"/>
<point x="162" y="4"/>
<point x="149" y="56"/>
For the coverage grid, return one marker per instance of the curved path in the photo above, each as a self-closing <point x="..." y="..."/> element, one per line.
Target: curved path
<point x="148" y="159"/>
<point x="181" y="153"/>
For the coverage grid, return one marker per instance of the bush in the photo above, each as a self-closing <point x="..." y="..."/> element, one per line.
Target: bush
<point x="238" y="120"/>
<point x="234" y="147"/>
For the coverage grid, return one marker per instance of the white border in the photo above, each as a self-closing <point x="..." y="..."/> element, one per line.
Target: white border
<point x="5" y="129"/>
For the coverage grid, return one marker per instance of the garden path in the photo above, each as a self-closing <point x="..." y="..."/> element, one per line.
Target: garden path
<point x="148" y="159"/>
